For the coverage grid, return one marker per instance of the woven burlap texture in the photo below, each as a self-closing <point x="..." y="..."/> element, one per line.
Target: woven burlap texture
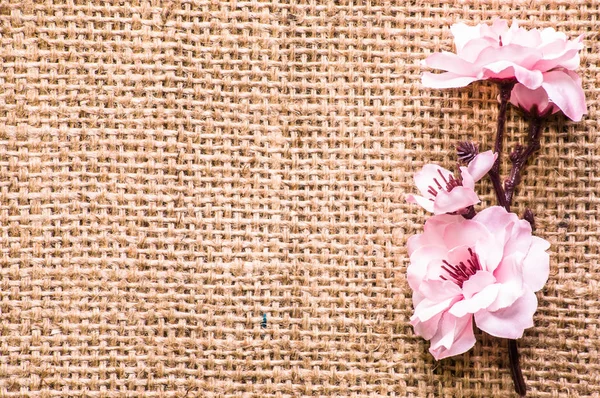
<point x="207" y="199"/>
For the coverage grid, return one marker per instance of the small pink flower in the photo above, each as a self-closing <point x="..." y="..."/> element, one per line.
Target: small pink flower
<point x="444" y="193"/>
<point x="541" y="103"/>
<point x="535" y="58"/>
<point x="485" y="269"/>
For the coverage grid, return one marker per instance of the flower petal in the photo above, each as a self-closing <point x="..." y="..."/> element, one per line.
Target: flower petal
<point x="419" y="261"/>
<point x="431" y="176"/>
<point x="454" y="336"/>
<point x="464" y="33"/>
<point x="498" y="59"/>
<point x="489" y="252"/>
<point x="467" y="178"/>
<point x="458" y="198"/>
<point x="560" y="53"/>
<point x="510" y="322"/>
<point x="470" y="52"/>
<point x="481" y="164"/>
<point x="566" y="93"/>
<point x="496" y="219"/>
<point x="466" y="233"/>
<point x="531" y="79"/>
<point x="510" y="279"/>
<point x="527" y="99"/>
<point x="520" y="238"/>
<point x="446" y="80"/>
<point x="433" y="231"/>
<point x="428" y="328"/>
<point x="479" y="301"/>
<point x="536" y="266"/>
<point x="425" y="203"/>
<point x="439" y="290"/>
<point x="477" y="283"/>
<point x="450" y="62"/>
<point x="429" y="308"/>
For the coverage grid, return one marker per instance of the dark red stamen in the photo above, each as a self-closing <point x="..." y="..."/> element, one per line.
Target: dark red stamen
<point x="451" y="182"/>
<point x="462" y="272"/>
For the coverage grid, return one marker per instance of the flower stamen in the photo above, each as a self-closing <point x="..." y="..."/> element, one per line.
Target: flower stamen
<point x="462" y="272"/>
<point x="451" y="182"/>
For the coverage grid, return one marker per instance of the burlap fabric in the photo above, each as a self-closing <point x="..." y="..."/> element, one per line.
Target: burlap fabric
<point x="206" y="199"/>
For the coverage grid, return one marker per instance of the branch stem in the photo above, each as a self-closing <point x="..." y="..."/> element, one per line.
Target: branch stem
<point x="520" y="157"/>
<point x="515" y="368"/>
<point x="505" y="90"/>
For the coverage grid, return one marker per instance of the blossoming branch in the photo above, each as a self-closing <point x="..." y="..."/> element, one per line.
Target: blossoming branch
<point x="482" y="268"/>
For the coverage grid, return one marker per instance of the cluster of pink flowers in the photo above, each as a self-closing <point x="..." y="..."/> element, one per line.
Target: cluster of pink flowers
<point x="487" y="267"/>
<point x="482" y="267"/>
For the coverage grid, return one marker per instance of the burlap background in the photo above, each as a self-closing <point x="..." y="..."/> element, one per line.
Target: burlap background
<point x="206" y="199"/>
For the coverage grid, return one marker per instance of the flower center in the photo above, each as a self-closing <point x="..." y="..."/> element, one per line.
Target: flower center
<point x="449" y="183"/>
<point x="462" y="272"/>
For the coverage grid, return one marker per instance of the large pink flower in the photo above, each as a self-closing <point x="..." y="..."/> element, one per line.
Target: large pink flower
<point x="444" y="193"/>
<point x="485" y="269"/>
<point x="535" y="58"/>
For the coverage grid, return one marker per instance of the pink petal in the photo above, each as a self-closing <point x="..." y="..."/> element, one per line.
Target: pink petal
<point x="481" y="164"/>
<point x="446" y="80"/>
<point x="531" y="79"/>
<point x="496" y="219"/>
<point x="550" y="35"/>
<point x="450" y="62"/>
<point x="536" y="266"/>
<point x="498" y="28"/>
<point x="458" y="198"/>
<point x="457" y="254"/>
<point x="454" y="336"/>
<point x="464" y="33"/>
<point x="520" y="238"/>
<point x="439" y="290"/>
<point x="566" y="93"/>
<point x="413" y="243"/>
<point x="419" y="261"/>
<point x="504" y="57"/>
<point x="523" y="37"/>
<point x="489" y="252"/>
<point x="466" y="234"/>
<point x="470" y="52"/>
<point x="467" y="178"/>
<point x="477" y="283"/>
<point x="510" y="279"/>
<point x="428" y="328"/>
<point x="527" y="99"/>
<point x="434" y="230"/>
<point x="427" y="309"/>
<point x="479" y="301"/>
<point x="426" y="177"/>
<point x="569" y="60"/>
<point x="560" y="53"/>
<point x="425" y="203"/>
<point x="509" y="322"/>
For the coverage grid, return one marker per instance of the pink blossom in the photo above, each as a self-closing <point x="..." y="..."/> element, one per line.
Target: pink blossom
<point x="444" y="193"/>
<point x="484" y="270"/>
<point x="539" y="102"/>
<point x="534" y="58"/>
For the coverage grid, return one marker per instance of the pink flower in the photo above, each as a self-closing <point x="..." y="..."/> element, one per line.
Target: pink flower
<point x="484" y="270"/>
<point x="540" y="102"/>
<point x="444" y="193"/>
<point x="535" y="58"/>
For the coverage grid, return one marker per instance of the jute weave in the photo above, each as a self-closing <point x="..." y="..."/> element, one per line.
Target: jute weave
<point x="206" y="199"/>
